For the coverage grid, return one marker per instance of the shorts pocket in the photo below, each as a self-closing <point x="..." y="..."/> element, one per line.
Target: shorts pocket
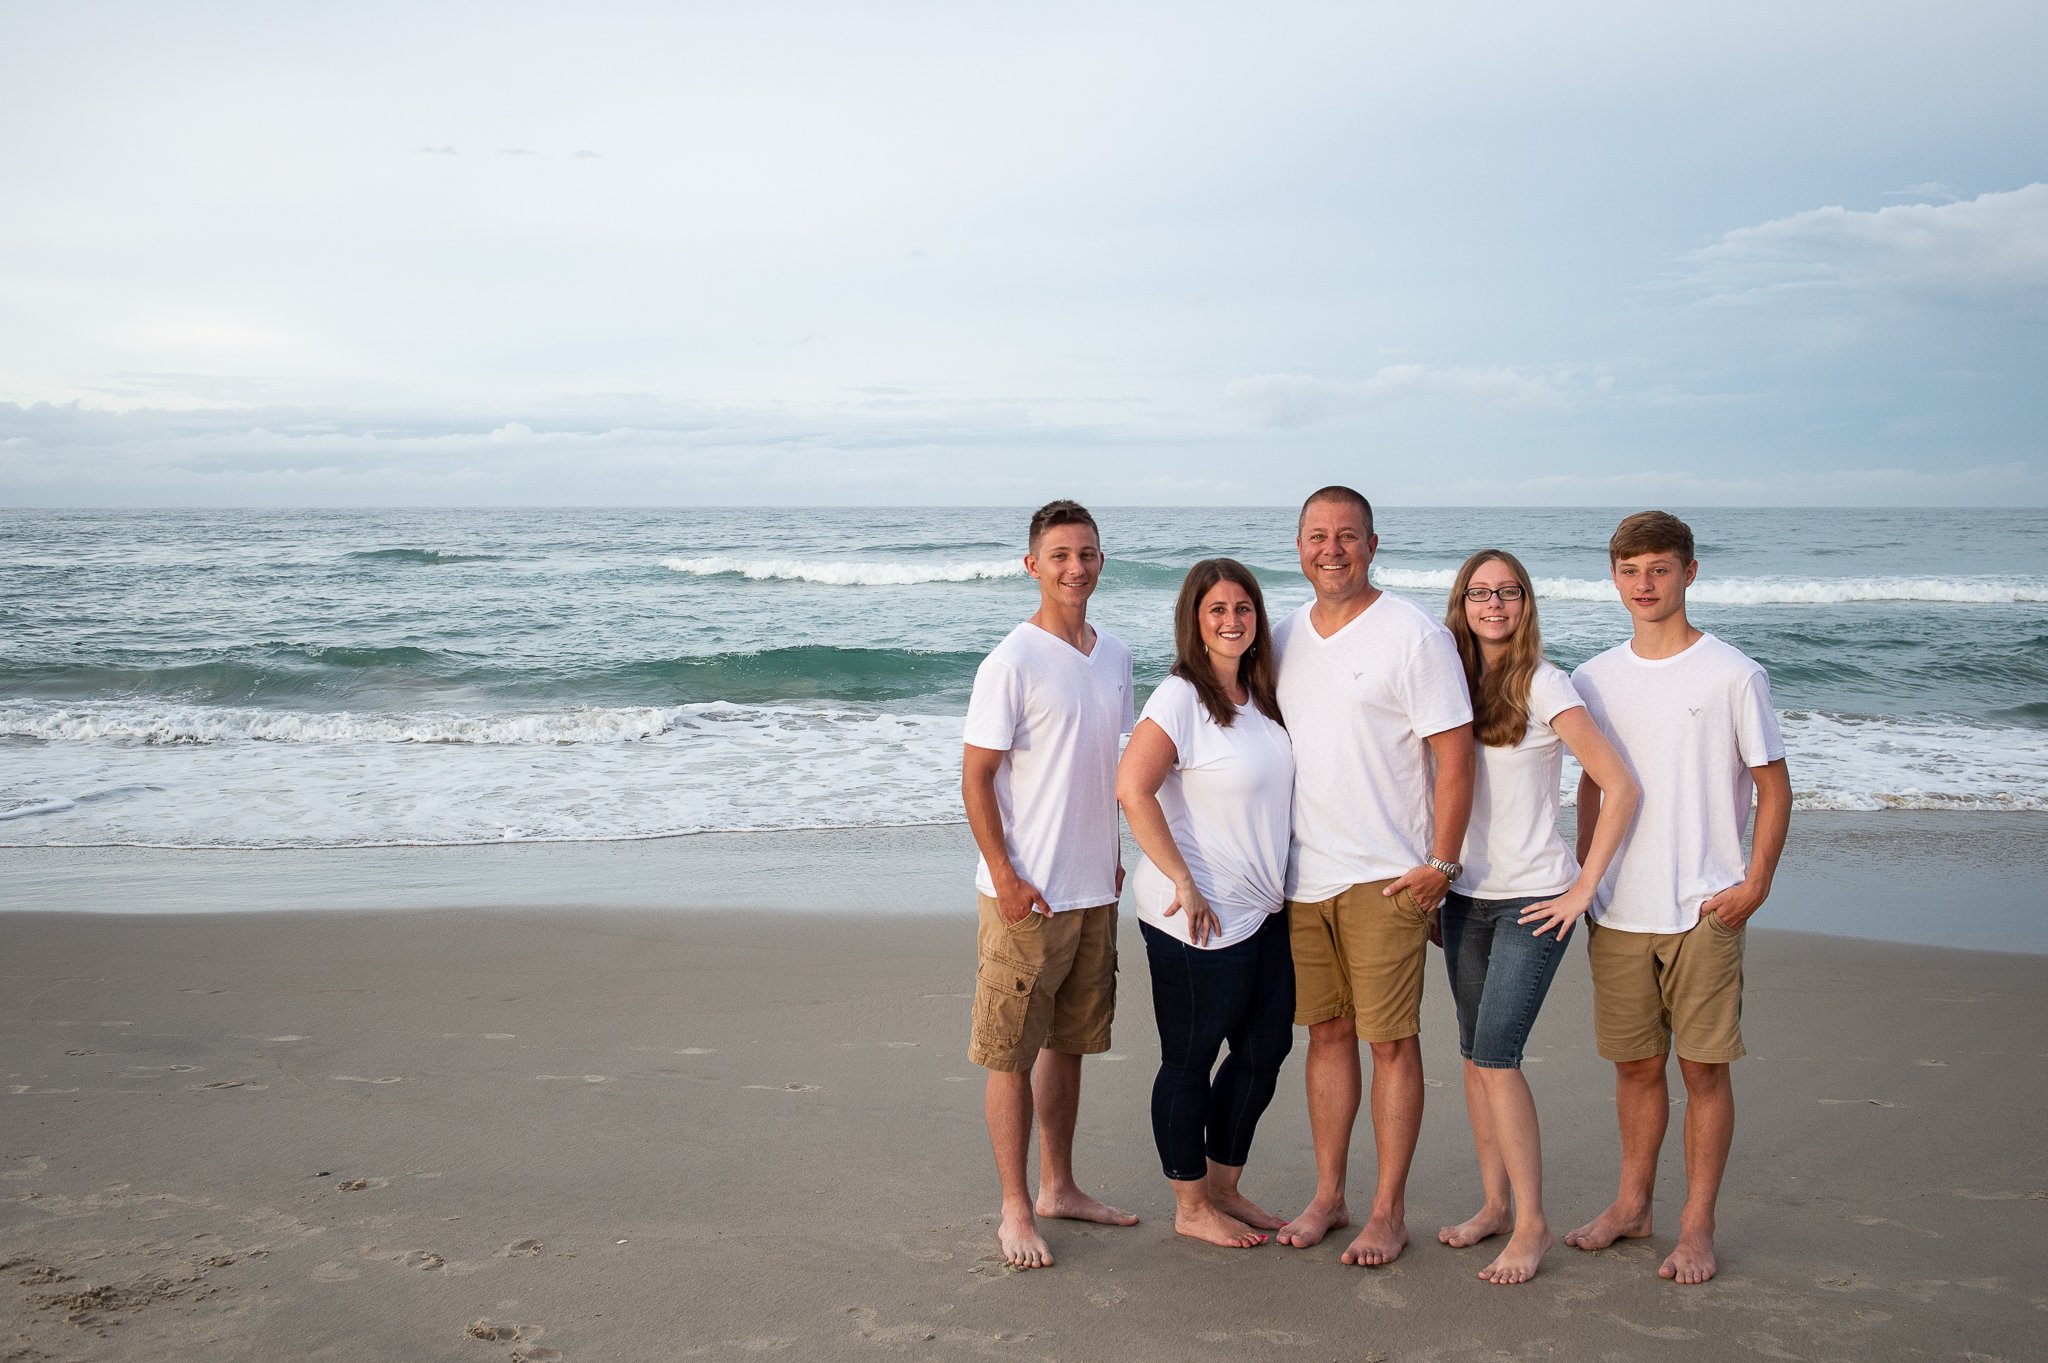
<point x="1002" y="1001"/>
<point x="1714" y="924"/>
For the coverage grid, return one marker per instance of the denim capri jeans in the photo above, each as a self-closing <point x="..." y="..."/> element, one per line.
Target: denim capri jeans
<point x="1500" y="970"/>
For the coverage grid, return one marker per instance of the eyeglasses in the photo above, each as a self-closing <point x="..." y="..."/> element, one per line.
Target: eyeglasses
<point x="1510" y="592"/>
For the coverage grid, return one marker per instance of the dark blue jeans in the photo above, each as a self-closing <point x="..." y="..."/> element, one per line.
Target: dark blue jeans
<point x="1242" y="994"/>
<point x="1500" y="971"/>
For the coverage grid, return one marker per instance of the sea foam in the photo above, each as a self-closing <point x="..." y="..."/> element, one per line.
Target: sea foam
<point x="99" y="775"/>
<point x="1766" y="591"/>
<point x="845" y="573"/>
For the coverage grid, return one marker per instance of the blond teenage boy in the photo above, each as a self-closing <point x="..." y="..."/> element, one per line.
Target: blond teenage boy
<point x="1039" y="782"/>
<point x="1692" y="717"/>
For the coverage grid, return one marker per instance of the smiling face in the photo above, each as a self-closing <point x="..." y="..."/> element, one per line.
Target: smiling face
<point x="1494" y="621"/>
<point x="1067" y="563"/>
<point x="1653" y="585"/>
<point x="1336" y="546"/>
<point x="1228" y="619"/>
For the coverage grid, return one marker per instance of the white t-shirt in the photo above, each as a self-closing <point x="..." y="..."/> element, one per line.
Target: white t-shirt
<point x="1058" y="713"/>
<point x="1512" y="846"/>
<point x="1226" y="803"/>
<point x="1360" y="705"/>
<point x="1690" y="728"/>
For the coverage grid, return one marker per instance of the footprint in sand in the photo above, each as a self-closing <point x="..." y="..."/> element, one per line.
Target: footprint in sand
<point x="362" y="1079"/>
<point x="503" y="1332"/>
<point x="521" y="1249"/>
<point x="424" y="1259"/>
<point x="1854" y="1102"/>
<point x="784" y="1088"/>
<point x="248" y="1084"/>
<point x="696" y="1050"/>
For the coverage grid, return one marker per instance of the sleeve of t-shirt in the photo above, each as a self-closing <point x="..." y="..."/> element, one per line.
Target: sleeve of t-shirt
<point x="1129" y="720"/>
<point x="995" y="706"/>
<point x="1757" y="736"/>
<point x="1172" y="709"/>
<point x="1588" y="687"/>
<point x="1551" y="694"/>
<point x="1437" y="699"/>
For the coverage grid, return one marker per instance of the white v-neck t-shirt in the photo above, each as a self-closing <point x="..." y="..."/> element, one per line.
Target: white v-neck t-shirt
<point x="1057" y="714"/>
<point x="1226" y="802"/>
<point x="1360" y="707"/>
<point x="1512" y="847"/>
<point x="1690" y="728"/>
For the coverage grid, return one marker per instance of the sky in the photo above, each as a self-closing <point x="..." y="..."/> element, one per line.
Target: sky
<point x="988" y="253"/>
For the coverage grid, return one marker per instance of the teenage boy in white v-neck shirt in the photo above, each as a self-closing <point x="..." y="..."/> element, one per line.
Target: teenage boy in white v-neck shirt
<point x="1049" y="706"/>
<point x="1692" y="717"/>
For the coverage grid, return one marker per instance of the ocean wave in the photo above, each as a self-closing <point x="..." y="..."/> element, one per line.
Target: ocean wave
<point x="344" y="677"/>
<point x="845" y="573"/>
<point x="1766" y="591"/>
<point x="108" y="775"/>
<point x="430" y="556"/>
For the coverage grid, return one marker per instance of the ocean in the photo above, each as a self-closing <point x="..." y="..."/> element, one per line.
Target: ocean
<point x="269" y="679"/>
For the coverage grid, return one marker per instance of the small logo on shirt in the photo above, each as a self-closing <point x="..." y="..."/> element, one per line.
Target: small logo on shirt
<point x="1692" y="709"/>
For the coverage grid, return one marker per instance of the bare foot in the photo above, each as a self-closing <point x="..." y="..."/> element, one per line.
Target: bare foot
<point x="1244" y="1209"/>
<point x="1692" y="1261"/>
<point x="1023" y="1246"/>
<point x="1381" y="1242"/>
<point x="1483" y="1224"/>
<point x="1317" y="1219"/>
<point x="1075" y="1205"/>
<point x="1517" y="1263"/>
<point x="1616" y="1223"/>
<point x="1217" y="1227"/>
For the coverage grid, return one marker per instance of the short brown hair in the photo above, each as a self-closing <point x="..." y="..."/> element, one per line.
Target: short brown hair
<point x="1337" y="492"/>
<point x="1064" y="511"/>
<point x="1650" y="532"/>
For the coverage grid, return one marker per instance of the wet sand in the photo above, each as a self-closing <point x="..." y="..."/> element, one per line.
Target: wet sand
<point x="496" y="1131"/>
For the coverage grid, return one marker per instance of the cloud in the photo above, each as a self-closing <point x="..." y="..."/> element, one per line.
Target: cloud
<point x="586" y="154"/>
<point x="439" y="151"/>
<point x="2014" y="483"/>
<point x="1927" y="189"/>
<point x="1299" y="400"/>
<point x="1990" y="249"/>
<point x="517" y="151"/>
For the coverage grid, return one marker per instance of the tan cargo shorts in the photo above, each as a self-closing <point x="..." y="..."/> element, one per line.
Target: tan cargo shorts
<point x="1044" y="983"/>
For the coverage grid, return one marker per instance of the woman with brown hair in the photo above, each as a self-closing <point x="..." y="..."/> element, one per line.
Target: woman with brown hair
<point x="1207" y="786"/>
<point x="1511" y="909"/>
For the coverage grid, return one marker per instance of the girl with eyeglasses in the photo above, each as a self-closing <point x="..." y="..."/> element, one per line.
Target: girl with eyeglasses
<point x="1512" y="907"/>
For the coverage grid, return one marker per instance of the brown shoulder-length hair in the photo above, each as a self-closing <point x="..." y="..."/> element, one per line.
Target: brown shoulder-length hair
<point x="1191" y="661"/>
<point x="1500" y="695"/>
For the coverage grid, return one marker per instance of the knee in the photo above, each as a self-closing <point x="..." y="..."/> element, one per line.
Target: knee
<point x="1333" y="1032"/>
<point x="1704" y="1079"/>
<point x="1399" y="1054"/>
<point x="1640" y="1073"/>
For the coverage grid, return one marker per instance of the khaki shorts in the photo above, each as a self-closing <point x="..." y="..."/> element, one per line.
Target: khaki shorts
<point x="1360" y="955"/>
<point x="1046" y="983"/>
<point x="1652" y="990"/>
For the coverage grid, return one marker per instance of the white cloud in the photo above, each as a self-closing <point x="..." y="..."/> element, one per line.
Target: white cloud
<point x="2016" y="483"/>
<point x="1993" y="248"/>
<point x="1299" y="399"/>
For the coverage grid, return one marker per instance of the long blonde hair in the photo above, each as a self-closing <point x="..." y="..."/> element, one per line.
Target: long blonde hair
<point x="1500" y="695"/>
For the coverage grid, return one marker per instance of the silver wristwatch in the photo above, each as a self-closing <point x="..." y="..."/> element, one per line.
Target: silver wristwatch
<point x="1451" y="869"/>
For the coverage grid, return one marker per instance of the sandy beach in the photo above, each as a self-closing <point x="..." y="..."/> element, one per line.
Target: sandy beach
<point x="686" y="1099"/>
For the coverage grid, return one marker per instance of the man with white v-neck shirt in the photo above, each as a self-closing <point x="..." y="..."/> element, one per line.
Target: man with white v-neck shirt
<point x="1039" y="781"/>
<point x="1381" y="724"/>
